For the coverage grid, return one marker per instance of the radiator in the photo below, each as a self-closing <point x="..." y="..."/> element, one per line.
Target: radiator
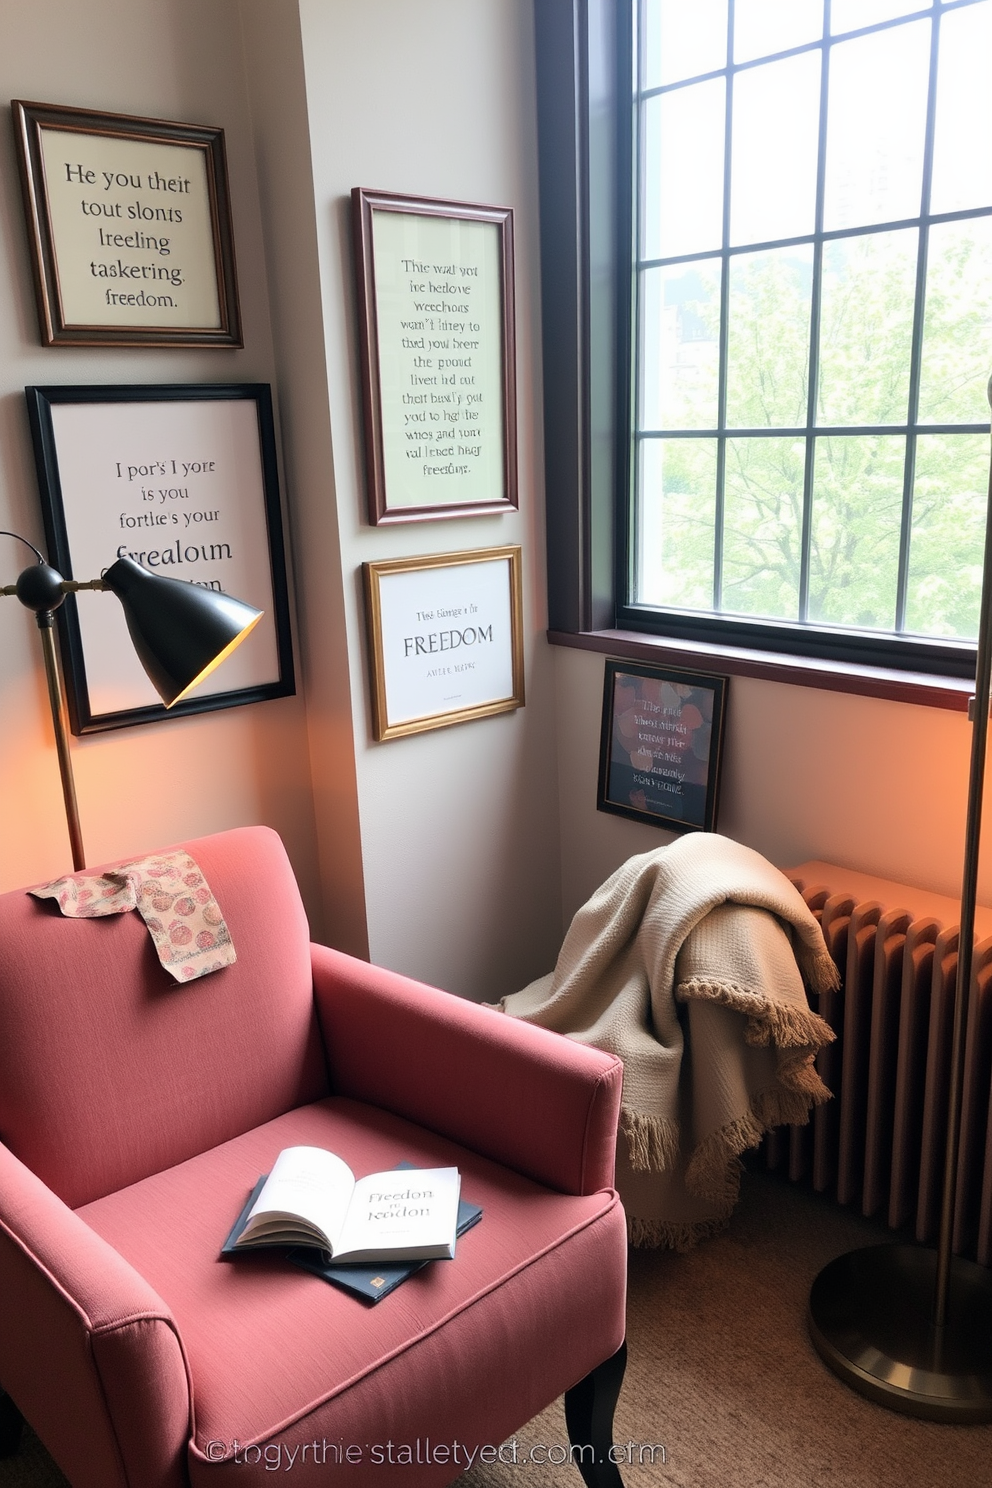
<point x="879" y="1143"/>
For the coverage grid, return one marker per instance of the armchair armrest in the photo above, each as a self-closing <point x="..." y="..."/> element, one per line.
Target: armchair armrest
<point x="532" y="1100"/>
<point x="88" y="1351"/>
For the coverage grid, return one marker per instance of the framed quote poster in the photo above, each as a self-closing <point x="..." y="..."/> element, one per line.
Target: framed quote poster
<point x="661" y="743"/>
<point x="435" y="295"/>
<point x="130" y="229"/>
<point x="445" y="639"/>
<point x="183" y="480"/>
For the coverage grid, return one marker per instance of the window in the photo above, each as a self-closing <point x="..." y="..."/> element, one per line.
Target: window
<point x="766" y="250"/>
<point x="810" y="323"/>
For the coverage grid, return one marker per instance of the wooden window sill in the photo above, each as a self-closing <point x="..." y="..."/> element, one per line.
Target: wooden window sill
<point x="769" y="666"/>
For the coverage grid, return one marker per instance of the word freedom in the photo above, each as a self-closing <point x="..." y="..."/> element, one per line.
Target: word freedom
<point x="447" y="640"/>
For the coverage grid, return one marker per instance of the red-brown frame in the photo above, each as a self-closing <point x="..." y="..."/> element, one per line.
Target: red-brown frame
<point x="364" y="203"/>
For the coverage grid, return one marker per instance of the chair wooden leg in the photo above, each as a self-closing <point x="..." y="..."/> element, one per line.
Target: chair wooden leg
<point x="589" y="1408"/>
<point x="11" y="1423"/>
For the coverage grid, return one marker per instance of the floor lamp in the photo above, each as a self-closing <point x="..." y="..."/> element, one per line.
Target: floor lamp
<point x="180" y="631"/>
<point x="908" y="1326"/>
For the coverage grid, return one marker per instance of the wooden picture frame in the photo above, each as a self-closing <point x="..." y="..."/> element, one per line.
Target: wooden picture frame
<point x="129" y="223"/>
<point x="436" y="333"/>
<point x="661" y="745"/>
<point x="182" y="478"/>
<point x="445" y="639"/>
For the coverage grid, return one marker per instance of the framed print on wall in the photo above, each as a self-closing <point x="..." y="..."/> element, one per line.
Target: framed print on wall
<point x="661" y="743"/>
<point x="435" y="302"/>
<point x="129" y="223"/>
<point x="183" y="479"/>
<point x="445" y="639"/>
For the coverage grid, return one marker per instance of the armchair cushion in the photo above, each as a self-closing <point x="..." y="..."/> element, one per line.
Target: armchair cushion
<point x="279" y="1356"/>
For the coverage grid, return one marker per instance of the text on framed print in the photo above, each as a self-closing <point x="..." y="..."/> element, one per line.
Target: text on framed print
<point x="661" y="745"/>
<point x="436" y="324"/>
<point x="182" y="479"/>
<point x="445" y="639"/>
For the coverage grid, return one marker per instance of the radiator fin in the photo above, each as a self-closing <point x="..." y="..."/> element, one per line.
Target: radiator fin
<point x="879" y="1144"/>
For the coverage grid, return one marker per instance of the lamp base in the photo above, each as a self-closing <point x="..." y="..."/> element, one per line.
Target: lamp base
<point x="870" y="1319"/>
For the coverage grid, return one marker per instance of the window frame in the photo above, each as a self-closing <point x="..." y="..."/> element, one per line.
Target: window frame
<point x="586" y="170"/>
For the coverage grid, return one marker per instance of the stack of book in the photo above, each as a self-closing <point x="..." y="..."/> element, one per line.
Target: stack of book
<point x="366" y="1235"/>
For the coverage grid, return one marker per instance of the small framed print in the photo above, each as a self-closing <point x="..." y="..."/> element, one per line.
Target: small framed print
<point x="183" y="479"/>
<point x="445" y="639"/>
<point x="661" y="744"/>
<point x="435" y="295"/>
<point x="130" y="228"/>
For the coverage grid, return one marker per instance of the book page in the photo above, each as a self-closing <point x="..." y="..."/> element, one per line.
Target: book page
<point x="306" y="1182"/>
<point x="407" y="1209"/>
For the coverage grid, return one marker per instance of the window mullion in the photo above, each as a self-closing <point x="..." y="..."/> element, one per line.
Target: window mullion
<point x="721" y="417"/>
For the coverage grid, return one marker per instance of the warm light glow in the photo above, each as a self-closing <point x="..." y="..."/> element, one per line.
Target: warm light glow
<point x="221" y="656"/>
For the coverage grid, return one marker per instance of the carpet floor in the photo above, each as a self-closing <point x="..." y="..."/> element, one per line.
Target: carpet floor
<point x="723" y="1388"/>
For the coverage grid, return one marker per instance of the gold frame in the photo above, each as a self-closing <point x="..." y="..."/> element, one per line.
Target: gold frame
<point x="373" y="575"/>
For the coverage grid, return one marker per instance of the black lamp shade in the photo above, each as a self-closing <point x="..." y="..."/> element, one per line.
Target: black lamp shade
<point x="180" y="631"/>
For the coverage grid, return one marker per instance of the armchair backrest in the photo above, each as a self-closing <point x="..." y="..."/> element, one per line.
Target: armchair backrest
<point x="110" y="1070"/>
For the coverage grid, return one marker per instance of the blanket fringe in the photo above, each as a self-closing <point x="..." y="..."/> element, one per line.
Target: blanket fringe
<point x="766" y="1022"/>
<point x="663" y="1234"/>
<point x="799" y="1087"/>
<point x="652" y="1142"/>
<point x="787" y="1028"/>
<point x="714" y="1169"/>
<point x="819" y="970"/>
<point x="778" y="1107"/>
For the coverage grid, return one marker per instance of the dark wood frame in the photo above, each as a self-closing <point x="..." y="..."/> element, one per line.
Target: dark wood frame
<point x="373" y="573"/>
<point x="40" y="400"/>
<point x="364" y="203"/>
<point x="29" y="120"/>
<point x="718" y="687"/>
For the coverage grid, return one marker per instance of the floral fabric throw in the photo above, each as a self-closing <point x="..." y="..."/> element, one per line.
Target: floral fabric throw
<point x="174" y="900"/>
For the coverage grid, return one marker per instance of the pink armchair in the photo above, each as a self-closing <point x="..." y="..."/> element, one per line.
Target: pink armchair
<point x="135" y="1116"/>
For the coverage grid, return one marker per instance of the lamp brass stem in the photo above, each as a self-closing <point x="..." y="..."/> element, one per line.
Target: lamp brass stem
<point x="45" y="625"/>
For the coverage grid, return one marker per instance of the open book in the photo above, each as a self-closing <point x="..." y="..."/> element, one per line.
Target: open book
<point x="311" y="1197"/>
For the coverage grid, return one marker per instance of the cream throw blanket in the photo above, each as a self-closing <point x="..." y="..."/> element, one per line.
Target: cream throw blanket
<point x="689" y="964"/>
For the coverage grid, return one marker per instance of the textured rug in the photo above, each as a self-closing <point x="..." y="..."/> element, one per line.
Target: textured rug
<point x="723" y="1388"/>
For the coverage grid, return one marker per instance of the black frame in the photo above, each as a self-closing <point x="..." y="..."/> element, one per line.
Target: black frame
<point x="40" y="401"/>
<point x="587" y="171"/>
<point x="717" y="685"/>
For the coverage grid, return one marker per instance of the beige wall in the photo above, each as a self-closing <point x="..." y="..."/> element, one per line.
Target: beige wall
<point x="872" y="785"/>
<point x="139" y="788"/>
<point x="276" y="80"/>
<point x="458" y="827"/>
